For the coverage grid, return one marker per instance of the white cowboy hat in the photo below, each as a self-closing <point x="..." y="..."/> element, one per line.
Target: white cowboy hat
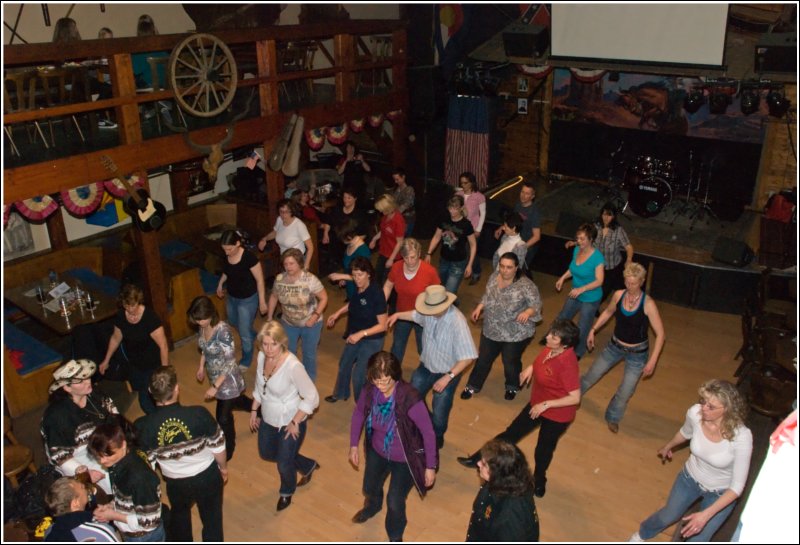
<point x="72" y="371"/>
<point x="434" y="300"/>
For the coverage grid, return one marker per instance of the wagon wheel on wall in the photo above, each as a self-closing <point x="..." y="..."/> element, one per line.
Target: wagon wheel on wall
<point x="202" y="74"/>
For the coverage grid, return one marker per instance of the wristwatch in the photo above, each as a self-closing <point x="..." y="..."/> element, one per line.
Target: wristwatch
<point x="451" y="374"/>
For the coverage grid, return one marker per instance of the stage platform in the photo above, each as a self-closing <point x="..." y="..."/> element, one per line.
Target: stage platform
<point x="676" y="248"/>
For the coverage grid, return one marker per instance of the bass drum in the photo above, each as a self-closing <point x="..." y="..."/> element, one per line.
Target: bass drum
<point x="648" y="196"/>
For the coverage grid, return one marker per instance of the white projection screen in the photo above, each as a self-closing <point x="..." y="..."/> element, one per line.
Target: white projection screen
<point x="675" y="34"/>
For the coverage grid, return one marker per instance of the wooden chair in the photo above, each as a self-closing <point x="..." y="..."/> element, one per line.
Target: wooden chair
<point x="62" y="86"/>
<point x="379" y="49"/>
<point x="16" y="458"/>
<point x="297" y="57"/>
<point x="158" y="75"/>
<point x="18" y="96"/>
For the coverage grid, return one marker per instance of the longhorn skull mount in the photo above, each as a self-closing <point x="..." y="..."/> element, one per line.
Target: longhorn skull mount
<point x="214" y="152"/>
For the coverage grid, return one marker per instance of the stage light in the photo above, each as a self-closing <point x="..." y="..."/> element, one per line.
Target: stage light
<point x="718" y="102"/>
<point x="694" y="101"/>
<point x="749" y="101"/>
<point x="778" y="104"/>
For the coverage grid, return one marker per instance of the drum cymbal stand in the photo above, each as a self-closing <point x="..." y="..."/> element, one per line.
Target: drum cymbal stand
<point x="687" y="208"/>
<point x="703" y="209"/>
<point x="612" y="192"/>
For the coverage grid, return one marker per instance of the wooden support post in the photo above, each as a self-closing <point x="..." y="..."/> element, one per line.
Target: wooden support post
<point x="57" y="231"/>
<point x="344" y="53"/>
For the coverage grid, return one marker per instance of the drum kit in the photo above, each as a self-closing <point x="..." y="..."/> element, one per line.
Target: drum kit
<point x="652" y="183"/>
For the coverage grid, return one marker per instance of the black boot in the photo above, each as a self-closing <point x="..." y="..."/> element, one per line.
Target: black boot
<point x="469" y="461"/>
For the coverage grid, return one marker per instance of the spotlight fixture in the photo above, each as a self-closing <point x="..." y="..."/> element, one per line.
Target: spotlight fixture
<point x="694" y="101"/>
<point x="718" y="102"/>
<point x="749" y="101"/>
<point x="778" y="103"/>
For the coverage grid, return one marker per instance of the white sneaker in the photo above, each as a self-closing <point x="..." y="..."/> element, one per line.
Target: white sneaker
<point x="635" y="538"/>
<point x="106" y="124"/>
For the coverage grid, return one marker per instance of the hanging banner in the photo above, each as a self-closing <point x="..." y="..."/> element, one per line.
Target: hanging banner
<point x="109" y="213"/>
<point x="116" y="188"/>
<point x="338" y="135"/>
<point x="376" y="120"/>
<point x="82" y="201"/>
<point x="37" y="208"/>
<point x="315" y="138"/>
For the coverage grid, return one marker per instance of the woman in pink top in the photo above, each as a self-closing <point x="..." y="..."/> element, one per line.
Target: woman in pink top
<point x="475" y="205"/>
<point x="408" y="277"/>
<point x="389" y="237"/>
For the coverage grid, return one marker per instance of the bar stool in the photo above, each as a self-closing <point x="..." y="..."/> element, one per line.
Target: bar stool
<point x="16" y="458"/>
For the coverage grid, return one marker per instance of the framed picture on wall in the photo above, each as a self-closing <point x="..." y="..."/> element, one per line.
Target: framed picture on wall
<point x="522" y="106"/>
<point x="522" y="85"/>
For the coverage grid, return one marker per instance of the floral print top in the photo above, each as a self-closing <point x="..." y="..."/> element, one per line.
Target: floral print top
<point x="221" y="360"/>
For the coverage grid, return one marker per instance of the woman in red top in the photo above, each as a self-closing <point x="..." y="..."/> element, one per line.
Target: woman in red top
<point x="555" y="397"/>
<point x="390" y="236"/>
<point x="408" y="278"/>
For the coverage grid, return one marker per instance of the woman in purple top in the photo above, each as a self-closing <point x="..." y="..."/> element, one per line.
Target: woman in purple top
<point x="399" y="442"/>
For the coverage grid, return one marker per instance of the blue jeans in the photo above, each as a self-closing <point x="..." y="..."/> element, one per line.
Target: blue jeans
<point x="140" y="382"/>
<point x="309" y="336"/>
<point x="442" y="402"/>
<point x="451" y="273"/>
<point x="274" y="446"/>
<point x="376" y="471"/>
<point x="241" y="313"/>
<point x="488" y="352"/>
<point x="156" y="535"/>
<point x="607" y="360"/>
<point x="354" y="363"/>
<point x="585" y="320"/>
<point x="685" y="491"/>
<point x="402" y="331"/>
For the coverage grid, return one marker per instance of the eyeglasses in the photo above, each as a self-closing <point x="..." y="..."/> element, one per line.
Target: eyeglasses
<point x="705" y="403"/>
<point x="382" y="381"/>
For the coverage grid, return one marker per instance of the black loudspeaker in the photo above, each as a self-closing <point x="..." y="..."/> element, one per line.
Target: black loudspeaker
<point x="520" y="40"/>
<point x="568" y="224"/>
<point x="732" y="252"/>
<point x="776" y="52"/>
<point x="424" y="82"/>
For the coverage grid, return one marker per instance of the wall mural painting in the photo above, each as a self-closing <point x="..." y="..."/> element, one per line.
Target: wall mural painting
<point x="651" y="103"/>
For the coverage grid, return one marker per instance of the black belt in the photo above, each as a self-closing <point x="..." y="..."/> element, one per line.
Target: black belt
<point x="630" y="350"/>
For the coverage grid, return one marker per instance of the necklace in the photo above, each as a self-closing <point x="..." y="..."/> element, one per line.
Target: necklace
<point x="94" y="410"/>
<point x="631" y="302"/>
<point x="552" y="355"/>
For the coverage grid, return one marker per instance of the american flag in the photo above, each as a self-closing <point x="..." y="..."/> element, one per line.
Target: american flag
<point x="467" y="147"/>
<point x="253" y="160"/>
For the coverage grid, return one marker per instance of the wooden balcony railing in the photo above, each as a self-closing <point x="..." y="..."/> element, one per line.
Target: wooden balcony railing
<point x="257" y="51"/>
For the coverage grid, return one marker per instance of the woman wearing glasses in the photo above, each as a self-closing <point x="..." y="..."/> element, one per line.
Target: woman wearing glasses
<point x="283" y="398"/>
<point x="716" y="470"/>
<point x="399" y="442"/>
<point x="138" y="329"/>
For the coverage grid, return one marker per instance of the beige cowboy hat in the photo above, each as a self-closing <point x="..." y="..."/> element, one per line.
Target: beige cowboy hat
<point x="72" y="371"/>
<point x="434" y="300"/>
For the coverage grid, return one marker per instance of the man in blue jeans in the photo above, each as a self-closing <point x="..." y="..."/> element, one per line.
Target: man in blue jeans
<point x="447" y="349"/>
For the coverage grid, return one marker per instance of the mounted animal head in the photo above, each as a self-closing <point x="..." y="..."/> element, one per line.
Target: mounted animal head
<point x="214" y="152"/>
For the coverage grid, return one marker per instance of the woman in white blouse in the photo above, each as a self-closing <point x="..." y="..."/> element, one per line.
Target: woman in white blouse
<point x="283" y="398"/>
<point x="290" y="232"/>
<point x="717" y="467"/>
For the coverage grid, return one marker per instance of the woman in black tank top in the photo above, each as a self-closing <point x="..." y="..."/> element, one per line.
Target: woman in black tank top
<point x="634" y="311"/>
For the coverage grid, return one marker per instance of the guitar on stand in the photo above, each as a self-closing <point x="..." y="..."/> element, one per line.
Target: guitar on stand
<point x="147" y="214"/>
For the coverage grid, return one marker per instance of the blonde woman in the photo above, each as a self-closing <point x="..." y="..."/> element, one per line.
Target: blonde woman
<point x="458" y="245"/>
<point x="716" y="470"/>
<point x="283" y="398"/>
<point x="635" y="313"/>
<point x="390" y="236"/>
